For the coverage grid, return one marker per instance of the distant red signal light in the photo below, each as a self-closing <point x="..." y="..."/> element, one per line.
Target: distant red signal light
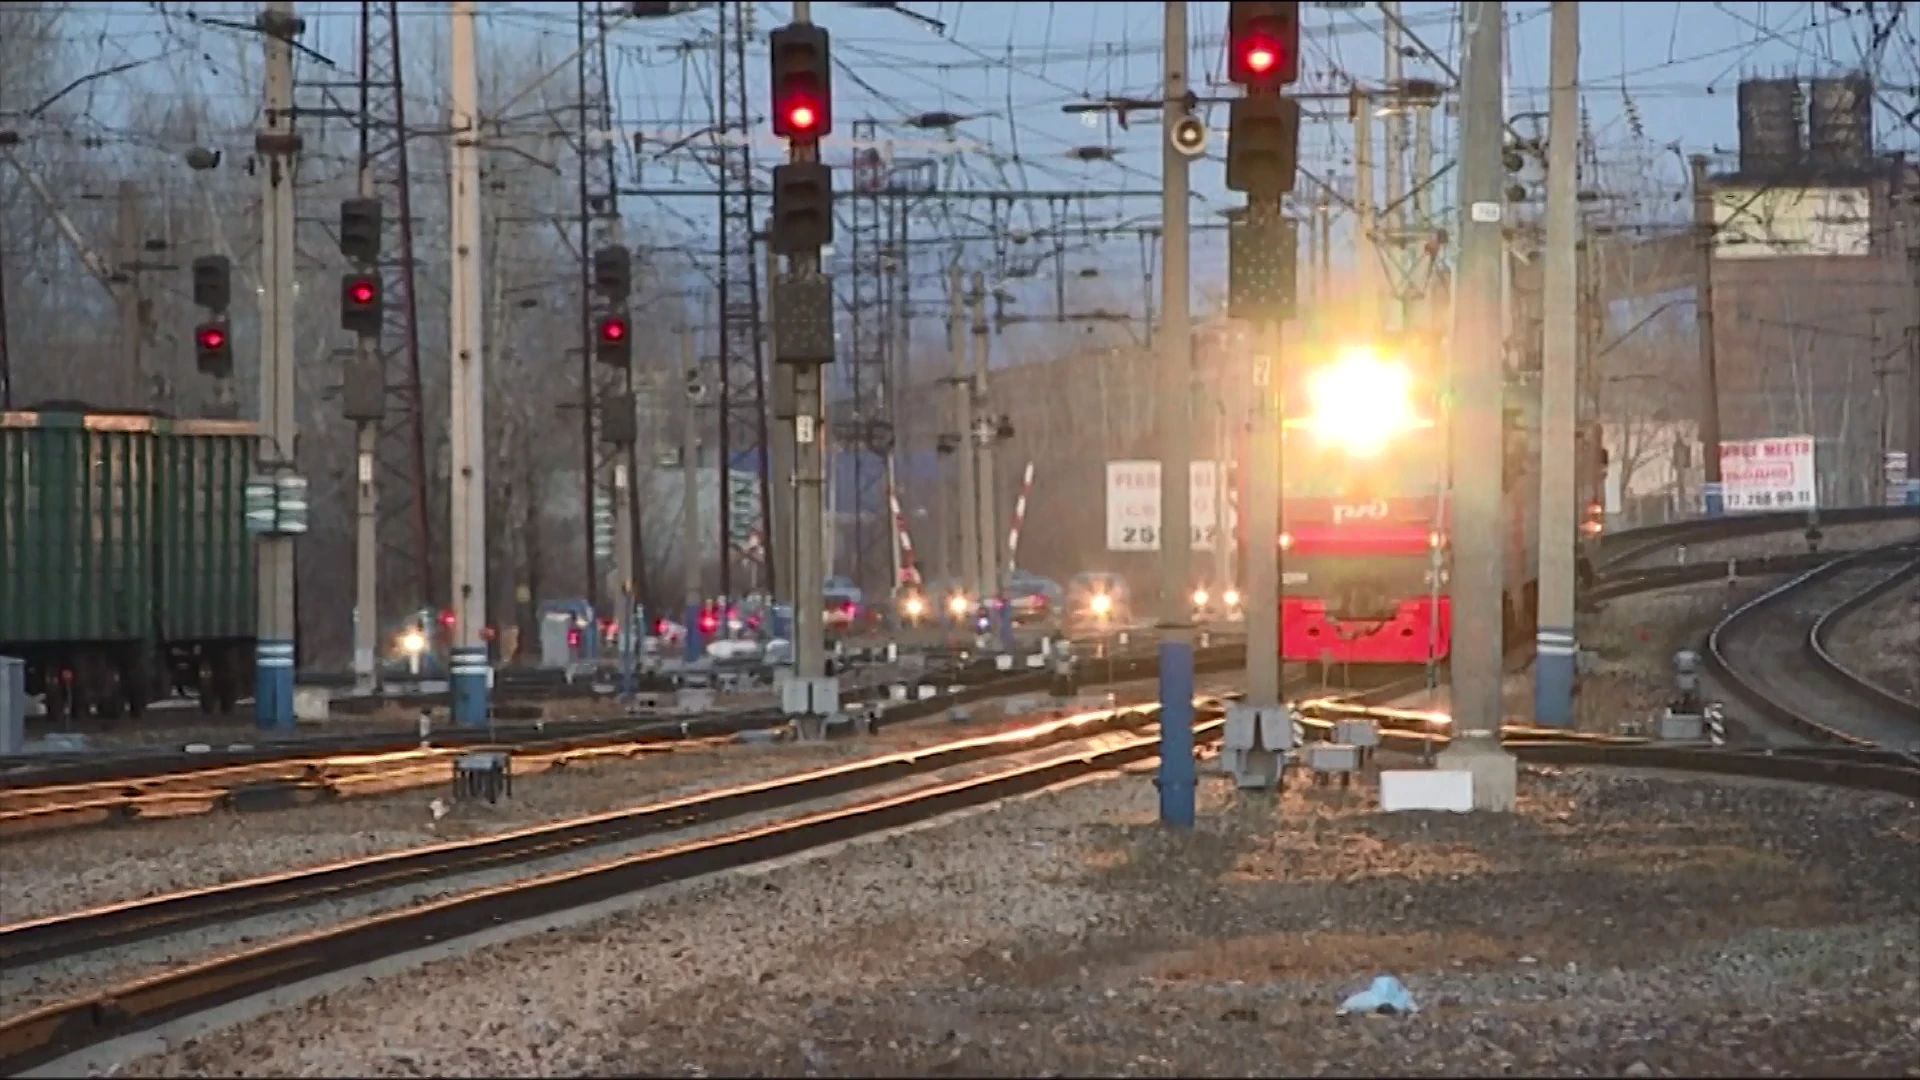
<point x="802" y="116"/>
<point x="212" y="338"/>
<point x="446" y="618"/>
<point x="613" y="329"/>
<point x="362" y="292"/>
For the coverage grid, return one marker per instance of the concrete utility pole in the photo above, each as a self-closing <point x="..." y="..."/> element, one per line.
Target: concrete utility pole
<point x="1366" y="226"/>
<point x="1174" y="418"/>
<point x="1715" y="495"/>
<point x="1394" y="225"/>
<point x="958" y="338"/>
<point x="1913" y="356"/>
<point x="1479" y="423"/>
<point x="696" y="391"/>
<point x="810" y="555"/>
<point x="279" y="148"/>
<point x="986" y="519"/>
<point x="1554" y="641"/>
<point x="780" y="532"/>
<point x="468" y="532"/>
<point x="133" y="335"/>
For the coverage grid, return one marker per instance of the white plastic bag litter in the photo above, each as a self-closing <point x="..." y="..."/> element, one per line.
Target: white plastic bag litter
<point x="1385" y="996"/>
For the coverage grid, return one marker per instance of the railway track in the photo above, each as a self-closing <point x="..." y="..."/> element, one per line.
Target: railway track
<point x="1056" y="754"/>
<point x="173" y="784"/>
<point x="1772" y="654"/>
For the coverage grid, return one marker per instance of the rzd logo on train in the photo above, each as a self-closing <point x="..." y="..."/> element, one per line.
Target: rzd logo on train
<point x="1369" y="511"/>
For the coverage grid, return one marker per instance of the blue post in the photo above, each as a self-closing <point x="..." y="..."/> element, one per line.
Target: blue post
<point x="470" y="670"/>
<point x="1006" y="626"/>
<point x="273" y="685"/>
<point x="1716" y="498"/>
<point x="1913" y="493"/>
<point x="1176" y="776"/>
<point x="696" y="647"/>
<point x="1553" y="671"/>
<point x="783" y="621"/>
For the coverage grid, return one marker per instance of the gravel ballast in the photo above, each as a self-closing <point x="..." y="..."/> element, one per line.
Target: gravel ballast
<point x="1618" y="924"/>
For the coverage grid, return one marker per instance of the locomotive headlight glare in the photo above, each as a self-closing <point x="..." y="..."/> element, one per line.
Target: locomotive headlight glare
<point x="958" y="604"/>
<point x="1101" y="603"/>
<point x="1231" y="597"/>
<point x="1199" y="598"/>
<point x="1360" y="402"/>
<point x="413" y="642"/>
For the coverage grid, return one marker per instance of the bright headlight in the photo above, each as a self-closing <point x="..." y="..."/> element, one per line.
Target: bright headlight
<point x="1101" y="603"/>
<point x="1199" y="598"/>
<point x="1231" y="597"/>
<point x="915" y="606"/>
<point x="413" y="641"/>
<point x="1360" y="402"/>
<point x="957" y="605"/>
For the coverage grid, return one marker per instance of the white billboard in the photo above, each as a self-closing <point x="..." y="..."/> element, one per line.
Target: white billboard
<point x="1769" y="474"/>
<point x="1771" y="223"/>
<point x="1133" y="506"/>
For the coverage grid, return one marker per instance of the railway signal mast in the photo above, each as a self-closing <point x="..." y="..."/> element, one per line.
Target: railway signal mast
<point x="802" y="92"/>
<point x="213" y="290"/>
<point x="1263" y="150"/>
<point x="364" y="400"/>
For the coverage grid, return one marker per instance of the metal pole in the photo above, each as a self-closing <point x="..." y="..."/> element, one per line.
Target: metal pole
<point x="1227" y="417"/>
<point x="6" y="357"/>
<point x="1478" y="389"/>
<point x="1554" y="642"/>
<point x="957" y="338"/>
<point x="780" y="532"/>
<point x="274" y="642"/>
<point x="1703" y="230"/>
<point x="984" y="479"/>
<point x="467" y="387"/>
<point x="1263" y="503"/>
<point x="690" y="494"/>
<point x="1175" y="420"/>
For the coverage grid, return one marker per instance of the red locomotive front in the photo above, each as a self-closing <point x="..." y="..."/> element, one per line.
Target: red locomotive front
<point x="1363" y="529"/>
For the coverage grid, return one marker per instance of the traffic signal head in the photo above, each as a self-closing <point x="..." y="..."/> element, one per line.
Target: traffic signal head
<point x="1263" y="144"/>
<point x="612" y="341"/>
<point x="213" y="349"/>
<point x="802" y="83"/>
<point x="1263" y="44"/>
<point x="1262" y="264"/>
<point x="360" y="230"/>
<point x="802" y="207"/>
<point x="213" y="283"/>
<point x="362" y="307"/>
<point x="613" y="272"/>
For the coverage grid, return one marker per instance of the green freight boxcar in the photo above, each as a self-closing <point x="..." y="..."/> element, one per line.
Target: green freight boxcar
<point x="126" y="571"/>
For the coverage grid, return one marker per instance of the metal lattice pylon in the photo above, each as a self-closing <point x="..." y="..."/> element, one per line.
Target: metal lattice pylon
<point x="600" y="225"/>
<point x="743" y="412"/>
<point x="865" y="424"/>
<point x="406" y="510"/>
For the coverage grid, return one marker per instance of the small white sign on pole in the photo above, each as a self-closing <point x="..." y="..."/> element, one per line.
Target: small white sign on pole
<point x="1769" y="474"/>
<point x="1133" y="506"/>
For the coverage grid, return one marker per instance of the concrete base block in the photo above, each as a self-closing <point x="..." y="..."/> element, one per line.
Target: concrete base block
<point x="311" y="704"/>
<point x="1496" y="773"/>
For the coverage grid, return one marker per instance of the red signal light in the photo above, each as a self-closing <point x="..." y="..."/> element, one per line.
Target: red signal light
<point x="362" y="292"/>
<point x="212" y="337"/>
<point x="709" y="622"/>
<point x="613" y="329"/>
<point x="446" y="618"/>
<point x="802" y="116"/>
<point x="1262" y="57"/>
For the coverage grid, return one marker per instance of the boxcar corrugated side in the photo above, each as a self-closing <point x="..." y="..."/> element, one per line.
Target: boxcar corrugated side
<point x="125" y="568"/>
